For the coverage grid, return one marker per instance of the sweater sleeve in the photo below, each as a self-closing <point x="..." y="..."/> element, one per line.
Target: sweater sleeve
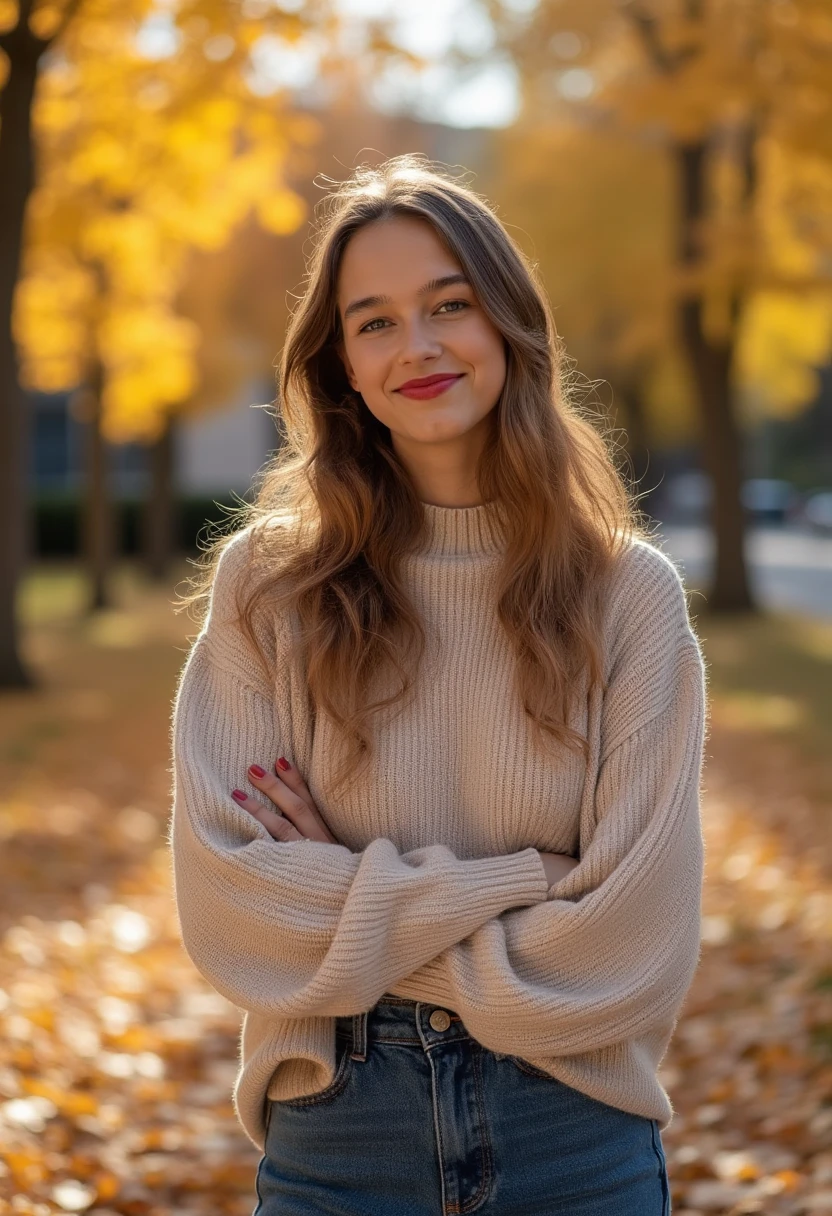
<point x="299" y="928"/>
<point x="612" y="952"/>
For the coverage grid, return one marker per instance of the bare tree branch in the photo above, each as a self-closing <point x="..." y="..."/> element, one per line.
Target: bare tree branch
<point x="647" y="26"/>
<point x="20" y="44"/>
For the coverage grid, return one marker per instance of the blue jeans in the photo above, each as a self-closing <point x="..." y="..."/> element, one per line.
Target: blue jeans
<point x="422" y="1120"/>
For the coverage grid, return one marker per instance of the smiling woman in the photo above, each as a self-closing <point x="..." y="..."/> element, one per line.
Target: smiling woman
<point x="437" y="751"/>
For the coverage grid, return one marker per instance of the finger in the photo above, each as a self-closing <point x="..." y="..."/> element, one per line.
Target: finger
<point x="272" y="786"/>
<point x="303" y="815"/>
<point x="290" y="775"/>
<point x="276" y="825"/>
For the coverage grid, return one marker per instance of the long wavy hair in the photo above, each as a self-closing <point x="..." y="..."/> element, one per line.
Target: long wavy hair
<point x="347" y="510"/>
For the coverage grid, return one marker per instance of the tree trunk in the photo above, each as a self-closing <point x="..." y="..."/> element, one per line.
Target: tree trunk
<point x="16" y="174"/>
<point x="710" y="365"/>
<point x="98" y="520"/>
<point x="158" y="518"/>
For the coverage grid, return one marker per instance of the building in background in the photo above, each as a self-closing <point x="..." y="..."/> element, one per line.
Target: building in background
<point x="215" y="453"/>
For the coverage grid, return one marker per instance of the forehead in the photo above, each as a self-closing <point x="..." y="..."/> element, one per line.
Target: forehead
<point x="392" y="256"/>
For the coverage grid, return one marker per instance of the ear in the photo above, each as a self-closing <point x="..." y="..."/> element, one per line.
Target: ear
<point x="342" y="355"/>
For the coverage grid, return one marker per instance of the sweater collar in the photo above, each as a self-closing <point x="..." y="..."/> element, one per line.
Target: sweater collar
<point x="462" y="530"/>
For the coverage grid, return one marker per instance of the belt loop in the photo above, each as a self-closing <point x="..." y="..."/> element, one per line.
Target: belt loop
<point x="359" y="1036"/>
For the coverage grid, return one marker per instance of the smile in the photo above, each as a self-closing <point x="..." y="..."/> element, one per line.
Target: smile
<point x="422" y="391"/>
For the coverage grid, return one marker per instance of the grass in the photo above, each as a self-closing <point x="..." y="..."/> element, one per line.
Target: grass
<point x="772" y="674"/>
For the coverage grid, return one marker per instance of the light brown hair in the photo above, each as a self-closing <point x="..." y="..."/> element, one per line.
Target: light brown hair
<point x="350" y="510"/>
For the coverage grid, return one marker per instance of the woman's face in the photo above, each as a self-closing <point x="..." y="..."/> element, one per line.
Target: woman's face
<point x="415" y="328"/>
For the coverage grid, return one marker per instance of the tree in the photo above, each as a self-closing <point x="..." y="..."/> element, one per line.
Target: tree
<point x="152" y="139"/>
<point x="158" y="517"/>
<point x="733" y="91"/>
<point x="23" y="49"/>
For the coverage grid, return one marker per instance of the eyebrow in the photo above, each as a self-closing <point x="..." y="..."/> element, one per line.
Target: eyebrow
<point x="434" y="285"/>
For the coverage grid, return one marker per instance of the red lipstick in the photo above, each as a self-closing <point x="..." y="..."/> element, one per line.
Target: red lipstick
<point x="429" y="386"/>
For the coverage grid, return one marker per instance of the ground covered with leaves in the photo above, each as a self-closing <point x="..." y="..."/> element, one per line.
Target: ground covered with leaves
<point x="117" y="1060"/>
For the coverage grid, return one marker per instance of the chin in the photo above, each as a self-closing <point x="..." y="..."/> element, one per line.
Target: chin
<point x="443" y="430"/>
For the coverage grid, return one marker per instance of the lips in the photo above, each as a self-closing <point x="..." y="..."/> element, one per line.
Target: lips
<point x="429" y="386"/>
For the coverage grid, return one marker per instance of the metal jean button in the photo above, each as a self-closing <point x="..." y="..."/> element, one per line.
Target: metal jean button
<point x="440" y="1019"/>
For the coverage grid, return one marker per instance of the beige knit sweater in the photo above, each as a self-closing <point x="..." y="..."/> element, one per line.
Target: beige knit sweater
<point x="436" y="891"/>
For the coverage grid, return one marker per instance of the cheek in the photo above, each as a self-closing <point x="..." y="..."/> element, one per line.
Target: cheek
<point x="370" y="362"/>
<point x="486" y="351"/>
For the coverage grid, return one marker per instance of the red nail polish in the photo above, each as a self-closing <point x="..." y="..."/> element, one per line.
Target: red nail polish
<point x="257" y="770"/>
<point x="283" y="763"/>
<point x="239" y="795"/>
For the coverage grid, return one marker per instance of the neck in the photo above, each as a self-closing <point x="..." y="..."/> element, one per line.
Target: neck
<point x="444" y="473"/>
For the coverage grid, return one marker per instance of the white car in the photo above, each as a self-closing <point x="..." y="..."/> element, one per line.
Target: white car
<point x="817" y="511"/>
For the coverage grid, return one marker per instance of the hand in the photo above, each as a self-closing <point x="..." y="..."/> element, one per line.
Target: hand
<point x="292" y="815"/>
<point x="557" y="865"/>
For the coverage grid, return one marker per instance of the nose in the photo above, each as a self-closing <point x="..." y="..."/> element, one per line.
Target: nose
<point x="417" y="342"/>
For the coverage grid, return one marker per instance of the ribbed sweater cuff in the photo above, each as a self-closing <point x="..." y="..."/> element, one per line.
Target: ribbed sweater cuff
<point x="510" y="880"/>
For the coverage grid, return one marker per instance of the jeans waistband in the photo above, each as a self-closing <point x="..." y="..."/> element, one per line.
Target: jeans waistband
<point x="396" y="1019"/>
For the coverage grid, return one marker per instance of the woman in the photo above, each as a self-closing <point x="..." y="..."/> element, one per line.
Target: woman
<point x="437" y="751"/>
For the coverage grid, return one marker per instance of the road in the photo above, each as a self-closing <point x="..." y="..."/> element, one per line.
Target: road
<point x="790" y="570"/>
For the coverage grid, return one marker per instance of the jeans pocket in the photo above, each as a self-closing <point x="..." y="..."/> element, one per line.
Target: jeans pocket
<point x="343" y="1069"/>
<point x="269" y="1107"/>
<point x="665" y="1181"/>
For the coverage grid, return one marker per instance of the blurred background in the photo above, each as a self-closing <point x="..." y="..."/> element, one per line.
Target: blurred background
<point x="668" y="167"/>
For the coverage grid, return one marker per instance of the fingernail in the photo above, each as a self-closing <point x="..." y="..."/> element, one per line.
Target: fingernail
<point x="239" y="795"/>
<point x="283" y="763"/>
<point x="257" y="770"/>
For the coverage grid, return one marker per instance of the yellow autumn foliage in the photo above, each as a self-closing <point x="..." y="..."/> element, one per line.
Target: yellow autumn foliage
<point x="783" y="340"/>
<point x="598" y="193"/>
<point x="150" y="144"/>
